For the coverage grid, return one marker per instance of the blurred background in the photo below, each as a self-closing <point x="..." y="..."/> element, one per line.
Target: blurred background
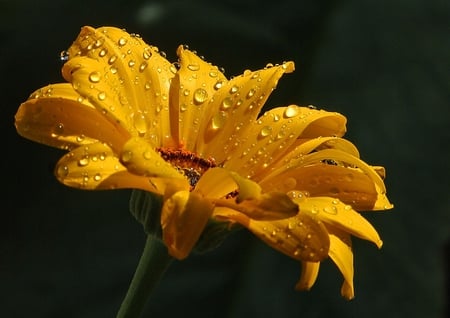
<point x="384" y="64"/>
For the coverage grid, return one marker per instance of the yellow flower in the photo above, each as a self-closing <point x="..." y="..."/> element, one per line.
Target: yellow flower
<point x="131" y="119"/>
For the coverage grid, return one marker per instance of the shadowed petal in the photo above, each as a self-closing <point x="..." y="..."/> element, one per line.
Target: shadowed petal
<point x="340" y="215"/>
<point x="308" y="276"/>
<point x="183" y="218"/>
<point x="341" y="254"/>
<point x="301" y="237"/>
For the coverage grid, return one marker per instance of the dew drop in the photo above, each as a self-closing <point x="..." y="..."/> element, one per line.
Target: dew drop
<point x="64" y="56"/>
<point x="234" y="89"/>
<point x="251" y="93"/>
<point x="265" y="131"/>
<point x="101" y="96"/>
<point x="83" y="162"/>
<point x="193" y="67"/>
<point x="291" y="111"/>
<point x="200" y="96"/>
<point x="122" y="42"/>
<point x="218" y="85"/>
<point x="94" y="77"/>
<point x="213" y="73"/>
<point x="186" y="92"/>
<point x="226" y="103"/>
<point x="97" y="177"/>
<point x="131" y="63"/>
<point x="59" y="129"/>
<point x="147" y="155"/>
<point x="218" y="120"/>
<point x="62" y="171"/>
<point x="112" y="59"/>
<point x="140" y="123"/>
<point x="127" y="156"/>
<point x="143" y="66"/>
<point x="102" y="52"/>
<point x="147" y="53"/>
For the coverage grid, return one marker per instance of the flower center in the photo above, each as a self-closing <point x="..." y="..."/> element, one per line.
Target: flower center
<point x="187" y="163"/>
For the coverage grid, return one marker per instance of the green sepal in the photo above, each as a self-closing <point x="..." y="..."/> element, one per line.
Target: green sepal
<point x="146" y="208"/>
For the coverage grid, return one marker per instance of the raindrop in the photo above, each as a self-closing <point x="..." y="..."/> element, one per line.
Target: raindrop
<point x="97" y="177"/>
<point x="218" y="120"/>
<point x="131" y="63"/>
<point x="62" y="171"/>
<point x="94" y="77"/>
<point x="112" y="59"/>
<point x="127" y="156"/>
<point x="102" y="52"/>
<point x="101" y="96"/>
<point x="193" y="67"/>
<point x="200" y="96"/>
<point x="291" y="111"/>
<point x="64" y="56"/>
<point x="147" y="53"/>
<point x="140" y="123"/>
<point x="227" y="103"/>
<point x="213" y="73"/>
<point x="122" y="42"/>
<point x="265" y="131"/>
<point x="59" y="129"/>
<point x="83" y="162"/>
<point x="218" y="85"/>
<point x="143" y="66"/>
<point x="251" y="93"/>
<point x="234" y="89"/>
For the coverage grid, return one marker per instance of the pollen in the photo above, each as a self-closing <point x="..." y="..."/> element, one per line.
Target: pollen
<point x="188" y="163"/>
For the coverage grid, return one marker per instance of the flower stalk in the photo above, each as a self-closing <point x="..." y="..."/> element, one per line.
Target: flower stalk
<point x="153" y="264"/>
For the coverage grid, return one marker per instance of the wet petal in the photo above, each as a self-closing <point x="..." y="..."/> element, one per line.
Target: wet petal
<point x="95" y="167"/>
<point x="234" y="106"/>
<point x="183" y="218"/>
<point x="341" y="254"/>
<point x="351" y="186"/>
<point x="190" y="93"/>
<point x="216" y="183"/>
<point x="339" y="215"/>
<point x="308" y="276"/>
<point x="271" y="136"/>
<point x="301" y="237"/>
<point x="141" y="159"/>
<point x="124" y="78"/>
<point x="342" y="159"/>
<point x="58" y="116"/>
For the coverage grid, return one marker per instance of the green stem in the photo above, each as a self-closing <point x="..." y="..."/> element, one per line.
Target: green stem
<point x="152" y="265"/>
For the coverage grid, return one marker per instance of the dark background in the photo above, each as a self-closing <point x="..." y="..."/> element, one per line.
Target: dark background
<point x="384" y="64"/>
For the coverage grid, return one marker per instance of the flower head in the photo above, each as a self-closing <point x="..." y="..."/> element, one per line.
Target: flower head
<point x="131" y="119"/>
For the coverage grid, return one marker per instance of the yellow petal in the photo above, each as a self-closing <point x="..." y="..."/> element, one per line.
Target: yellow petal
<point x="301" y="237"/>
<point x="341" y="254"/>
<point x="183" y="218"/>
<point x="190" y="93"/>
<point x="234" y="106"/>
<point x="339" y="215"/>
<point x="141" y="159"/>
<point x="351" y="186"/>
<point x="123" y="77"/>
<point x="216" y="183"/>
<point x="58" y="116"/>
<point x="380" y="202"/>
<point x="308" y="276"/>
<point x="270" y="137"/>
<point x="95" y="167"/>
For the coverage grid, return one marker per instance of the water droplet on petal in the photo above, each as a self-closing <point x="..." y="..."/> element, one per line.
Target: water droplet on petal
<point x="122" y="41"/>
<point x="127" y="156"/>
<point x="218" y="120"/>
<point x="140" y="123"/>
<point x="62" y="171"/>
<point x="83" y="161"/>
<point x="265" y="131"/>
<point x="234" y="89"/>
<point x="97" y="177"/>
<point x="200" y="96"/>
<point x="64" y="56"/>
<point x="291" y="111"/>
<point x="101" y="96"/>
<point x="226" y="103"/>
<point x="94" y="77"/>
<point x="193" y="67"/>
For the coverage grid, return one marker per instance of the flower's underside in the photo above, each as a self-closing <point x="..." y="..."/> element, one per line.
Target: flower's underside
<point x="131" y="119"/>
